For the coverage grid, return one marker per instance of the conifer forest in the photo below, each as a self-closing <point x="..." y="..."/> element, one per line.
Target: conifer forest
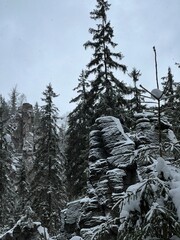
<point x="109" y="170"/>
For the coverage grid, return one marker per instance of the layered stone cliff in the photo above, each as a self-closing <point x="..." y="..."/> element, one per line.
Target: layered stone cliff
<point x="113" y="166"/>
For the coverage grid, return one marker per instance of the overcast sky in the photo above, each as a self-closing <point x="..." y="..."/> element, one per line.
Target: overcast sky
<point x="41" y="41"/>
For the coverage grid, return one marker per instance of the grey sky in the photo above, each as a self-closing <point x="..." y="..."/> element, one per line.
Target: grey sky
<point x="41" y="41"/>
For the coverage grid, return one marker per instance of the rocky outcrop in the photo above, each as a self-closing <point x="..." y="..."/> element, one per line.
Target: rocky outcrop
<point x="19" y="135"/>
<point x="24" y="232"/>
<point x="110" y="170"/>
<point x="114" y="157"/>
<point x="20" y="126"/>
<point x="26" y="229"/>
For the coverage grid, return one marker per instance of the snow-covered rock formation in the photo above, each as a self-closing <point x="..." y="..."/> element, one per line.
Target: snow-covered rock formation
<point x="110" y="172"/>
<point x="117" y="160"/>
<point x="19" y="134"/>
<point x="24" y="230"/>
<point x="20" y="126"/>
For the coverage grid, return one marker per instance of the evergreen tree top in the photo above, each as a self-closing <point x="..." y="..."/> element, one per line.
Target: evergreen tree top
<point x="81" y="88"/>
<point x="135" y="74"/>
<point x="49" y="93"/>
<point x="100" y="12"/>
<point x="49" y="107"/>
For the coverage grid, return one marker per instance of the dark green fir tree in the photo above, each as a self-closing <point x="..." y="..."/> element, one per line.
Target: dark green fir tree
<point x="13" y="100"/>
<point x="47" y="193"/>
<point x="169" y="89"/>
<point x="37" y="115"/>
<point x="171" y="105"/>
<point x="77" y="141"/>
<point x="137" y="99"/>
<point x="5" y="108"/>
<point x="7" y="196"/>
<point x="107" y="93"/>
<point x="136" y="102"/>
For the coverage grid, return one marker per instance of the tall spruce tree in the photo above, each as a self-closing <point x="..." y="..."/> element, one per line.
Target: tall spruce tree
<point x="47" y="192"/>
<point x="169" y="88"/>
<point x="136" y="101"/>
<point x="106" y="95"/>
<point x="176" y="111"/>
<point x="13" y="100"/>
<point x="36" y="121"/>
<point x="171" y="104"/>
<point x="37" y="115"/>
<point x="77" y="141"/>
<point x="7" y="190"/>
<point x="5" y="108"/>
